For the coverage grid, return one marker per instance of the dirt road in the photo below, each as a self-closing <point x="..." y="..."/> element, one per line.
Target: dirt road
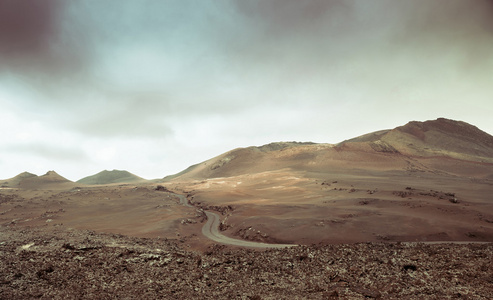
<point x="211" y="231"/>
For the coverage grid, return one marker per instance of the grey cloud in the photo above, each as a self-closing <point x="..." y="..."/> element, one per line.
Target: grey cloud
<point x="126" y="72"/>
<point x="279" y="29"/>
<point x="123" y="115"/>
<point x="460" y="29"/>
<point x="447" y="15"/>
<point x="279" y="17"/>
<point x="27" y="28"/>
<point x="47" y="151"/>
<point x="118" y="126"/>
<point x="337" y="27"/>
<point x="35" y="41"/>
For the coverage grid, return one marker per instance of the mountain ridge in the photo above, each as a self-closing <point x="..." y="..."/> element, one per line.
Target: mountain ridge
<point x="440" y="138"/>
<point x="50" y="179"/>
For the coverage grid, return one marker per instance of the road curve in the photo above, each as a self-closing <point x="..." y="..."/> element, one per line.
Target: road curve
<point x="211" y="231"/>
<point x="184" y="200"/>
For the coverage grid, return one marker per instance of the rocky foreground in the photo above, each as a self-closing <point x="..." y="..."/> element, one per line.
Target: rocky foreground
<point x="69" y="264"/>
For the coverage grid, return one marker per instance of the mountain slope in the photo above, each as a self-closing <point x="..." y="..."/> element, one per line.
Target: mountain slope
<point x="27" y="180"/>
<point x="248" y="160"/>
<point x="52" y="176"/>
<point x="15" y="181"/>
<point x="440" y="140"/>
<point x="109" y="177"/>
<point x="441" y="137"/>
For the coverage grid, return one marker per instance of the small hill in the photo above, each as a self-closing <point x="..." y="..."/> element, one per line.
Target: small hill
<point x="109" y="177"/>
<point x="15" y="181"/>
<point x="52" y="176"/>
<point x="252" y="159"/>
<point x="28" y="180"/>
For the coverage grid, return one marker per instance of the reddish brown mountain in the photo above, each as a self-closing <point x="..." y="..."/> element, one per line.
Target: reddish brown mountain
<point x="441" y="137"/>
<point x="436" y="144"/>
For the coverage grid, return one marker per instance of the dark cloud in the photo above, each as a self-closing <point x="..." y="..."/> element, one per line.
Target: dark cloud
<point x="28" y="27"/>
<point x="286" y="29"/>
<point x="453" y="16"/>
<point x="281" y="17"/>
<point x="307" y="41"/>
<point x="236" y="72"/>
<point x="445" y="22"/>
<point x="322" y="19"/>
<point x="456" y="30"/>
<point x="40" y="42"/>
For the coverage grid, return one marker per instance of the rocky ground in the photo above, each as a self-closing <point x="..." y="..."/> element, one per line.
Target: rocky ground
<point x="72" y="264"/>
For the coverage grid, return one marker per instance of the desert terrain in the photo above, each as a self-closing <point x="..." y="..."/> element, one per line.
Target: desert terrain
<point x="406" y="212"/>
<point x="424" y="182"/>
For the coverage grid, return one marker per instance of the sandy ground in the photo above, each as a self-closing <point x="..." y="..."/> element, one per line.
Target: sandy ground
<point x="289" y="206"/>
<point x="437" y="187"/>
<point x="120" y="209"/>
<point x="144" y="243"/>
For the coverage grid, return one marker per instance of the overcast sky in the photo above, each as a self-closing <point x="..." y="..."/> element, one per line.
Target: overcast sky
<point x="155" y="86"/>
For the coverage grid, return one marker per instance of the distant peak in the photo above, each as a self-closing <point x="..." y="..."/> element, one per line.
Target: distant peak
<point x="108" y="177"/>
<point x="447" y="126"/>
<point x="445" y="120"/>
<point x="26" y="175"/>
<point x="114" y="171"/>
<point x="51" y="173"/>
<point x="53" y="176"/>
<point x="439" y="121"/>
<point x="282" y="145"/>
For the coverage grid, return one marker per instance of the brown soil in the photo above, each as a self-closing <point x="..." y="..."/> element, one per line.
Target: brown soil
<point x="411" y="200"/>
<point x="122" y="209"/>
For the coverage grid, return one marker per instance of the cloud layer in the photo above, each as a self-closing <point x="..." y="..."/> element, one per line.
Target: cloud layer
<point x="154" y="86"/>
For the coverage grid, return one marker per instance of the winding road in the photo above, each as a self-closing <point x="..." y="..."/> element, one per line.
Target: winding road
<point x="211" y="231"/>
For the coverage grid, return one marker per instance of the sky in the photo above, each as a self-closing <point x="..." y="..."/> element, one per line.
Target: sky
<point x="154" y="86"/>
